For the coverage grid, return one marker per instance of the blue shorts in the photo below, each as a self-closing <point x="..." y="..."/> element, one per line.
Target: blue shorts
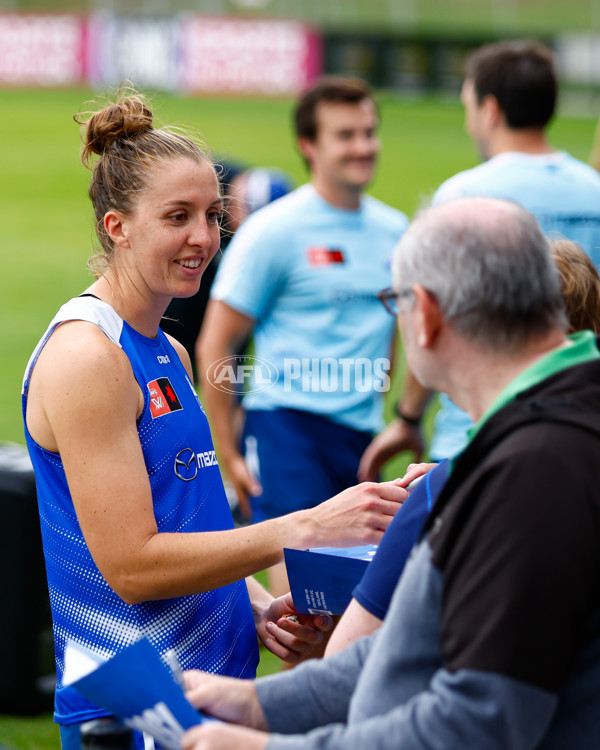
<point x="299" y="458"/>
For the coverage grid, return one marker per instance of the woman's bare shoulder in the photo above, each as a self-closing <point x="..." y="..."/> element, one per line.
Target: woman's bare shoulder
<point x="82" y="348"/>
<point x="78" y="373"/>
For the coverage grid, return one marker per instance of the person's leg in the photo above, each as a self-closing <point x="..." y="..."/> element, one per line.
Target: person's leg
<point x="70" y="738"/>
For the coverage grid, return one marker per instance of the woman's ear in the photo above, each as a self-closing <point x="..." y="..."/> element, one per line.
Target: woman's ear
<point x="115" y="227"/>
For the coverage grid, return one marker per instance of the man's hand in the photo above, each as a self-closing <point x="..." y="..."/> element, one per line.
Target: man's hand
<point x="414" y="471"/>
<point x="225" y="698"/>
<point x="213" y="736"/>
<point x="287" y="639"/>
<point x="243" y="482"/>
<point x="358" y="515"/>
<point x="397" y="437"/>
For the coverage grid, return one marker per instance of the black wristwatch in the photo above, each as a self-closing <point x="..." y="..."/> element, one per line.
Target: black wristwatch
<point x="412" y="421"/>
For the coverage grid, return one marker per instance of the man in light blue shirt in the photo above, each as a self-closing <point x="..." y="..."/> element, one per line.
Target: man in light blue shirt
<point x="509" y="95"/>
<point x="303" y="274"/>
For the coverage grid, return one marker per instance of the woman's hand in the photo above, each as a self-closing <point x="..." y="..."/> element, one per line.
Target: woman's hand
<point x="290" y="638"/>
<point x="358" y="515"/>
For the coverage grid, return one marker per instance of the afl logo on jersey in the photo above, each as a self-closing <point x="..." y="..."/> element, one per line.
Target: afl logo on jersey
<point x="163" y="399"/>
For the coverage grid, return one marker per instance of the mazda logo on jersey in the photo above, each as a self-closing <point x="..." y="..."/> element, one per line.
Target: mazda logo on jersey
<point x="163" y="399"/>
<point x="186" y="465"/>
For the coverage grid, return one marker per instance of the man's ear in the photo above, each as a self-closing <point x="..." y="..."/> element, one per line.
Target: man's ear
<point x="427" y="316"/>
<point x="115" y="227"/>
<point x="307" y="148"/>
<point x="491" y="111"/>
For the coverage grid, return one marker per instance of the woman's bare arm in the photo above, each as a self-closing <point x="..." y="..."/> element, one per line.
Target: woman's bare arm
<point x="83" y="404"/>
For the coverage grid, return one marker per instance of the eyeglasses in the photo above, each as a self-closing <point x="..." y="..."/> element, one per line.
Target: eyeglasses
<point x="389" y="298"/>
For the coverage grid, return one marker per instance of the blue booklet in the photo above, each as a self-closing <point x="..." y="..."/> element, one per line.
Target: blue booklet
<point x="136" y="686"/>
<point x="322" y="579"/>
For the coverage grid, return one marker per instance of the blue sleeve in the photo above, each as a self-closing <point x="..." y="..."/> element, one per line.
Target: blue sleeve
<point x="377" y="585"/>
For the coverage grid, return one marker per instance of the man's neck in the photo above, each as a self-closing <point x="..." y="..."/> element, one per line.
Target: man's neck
<point x="476" y="386"/>
<point x="525" y="141"/>
<point x="338" y="195"/>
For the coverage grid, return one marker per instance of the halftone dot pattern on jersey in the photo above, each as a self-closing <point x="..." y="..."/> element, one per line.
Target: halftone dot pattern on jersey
<point x="213" y="631"/>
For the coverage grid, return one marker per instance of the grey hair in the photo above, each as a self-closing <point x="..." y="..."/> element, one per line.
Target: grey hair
<point x="490" y="268"/>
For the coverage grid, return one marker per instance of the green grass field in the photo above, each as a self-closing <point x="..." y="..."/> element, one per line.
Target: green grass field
<point x="457" y="17"/>
<point x="46" y="220"/>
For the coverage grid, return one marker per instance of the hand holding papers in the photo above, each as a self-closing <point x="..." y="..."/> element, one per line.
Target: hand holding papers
<point x="136" y="686"/>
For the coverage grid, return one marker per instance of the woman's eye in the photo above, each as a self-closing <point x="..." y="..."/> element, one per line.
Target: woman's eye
<point x="178" y="218"/>
<point x="214" y="216"/>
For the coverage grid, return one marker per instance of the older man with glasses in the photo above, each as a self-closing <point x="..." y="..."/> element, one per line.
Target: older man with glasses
<point x="492" y="638"/>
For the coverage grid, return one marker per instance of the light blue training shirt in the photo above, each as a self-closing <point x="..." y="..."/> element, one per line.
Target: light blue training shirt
<point x="562" y="193"/>
<point x="308" y="274"/>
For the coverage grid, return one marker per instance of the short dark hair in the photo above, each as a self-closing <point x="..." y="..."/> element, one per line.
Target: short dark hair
<point x="521" y="76"/>
<point x="342" y="89"/>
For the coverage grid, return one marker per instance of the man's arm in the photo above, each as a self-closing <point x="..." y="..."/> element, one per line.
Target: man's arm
<point x="468" y="709"/>
<point x="458" y="711"/>
<point x="223" y="329"/>
<point x="325" y="687"/>
<point x="356" y="622"/>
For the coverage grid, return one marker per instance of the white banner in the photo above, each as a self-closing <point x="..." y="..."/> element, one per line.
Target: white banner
<point x="141" y="50"/>
<point x="578" y="57"/>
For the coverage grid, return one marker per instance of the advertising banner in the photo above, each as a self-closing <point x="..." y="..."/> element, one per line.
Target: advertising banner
<point x="189" y="53"/>
<point x="42" y="50"/>
<point x="223" y="55"/>
<point x="140" y="50"/>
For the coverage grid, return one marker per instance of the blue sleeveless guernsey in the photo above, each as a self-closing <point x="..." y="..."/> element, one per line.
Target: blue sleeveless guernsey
<point x="213" y="631"/>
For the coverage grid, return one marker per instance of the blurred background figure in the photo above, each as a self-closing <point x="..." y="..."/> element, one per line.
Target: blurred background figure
<point x="509" y="94"/>
<point x="302" y="276"/>
<point x="246" y="189"/>
<point x="580" y="285"/>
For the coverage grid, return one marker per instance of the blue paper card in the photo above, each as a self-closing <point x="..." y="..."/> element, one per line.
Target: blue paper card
<point x="322" y="579"/>
<point x="136" y="686"/>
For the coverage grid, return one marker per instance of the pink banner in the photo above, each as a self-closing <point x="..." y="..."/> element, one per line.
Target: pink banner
<point x="223" y="55"/>
<point x="41" y="50"/>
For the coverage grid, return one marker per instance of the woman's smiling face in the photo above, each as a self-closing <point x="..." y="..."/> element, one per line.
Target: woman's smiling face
<point x="173" y="232"/>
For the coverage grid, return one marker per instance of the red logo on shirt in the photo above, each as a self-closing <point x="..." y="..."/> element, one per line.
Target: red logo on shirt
<point x="163" y="399"/>
<point x="319" y="255"/>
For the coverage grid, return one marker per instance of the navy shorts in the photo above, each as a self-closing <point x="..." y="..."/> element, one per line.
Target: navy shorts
<point x="299" y="458"/>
